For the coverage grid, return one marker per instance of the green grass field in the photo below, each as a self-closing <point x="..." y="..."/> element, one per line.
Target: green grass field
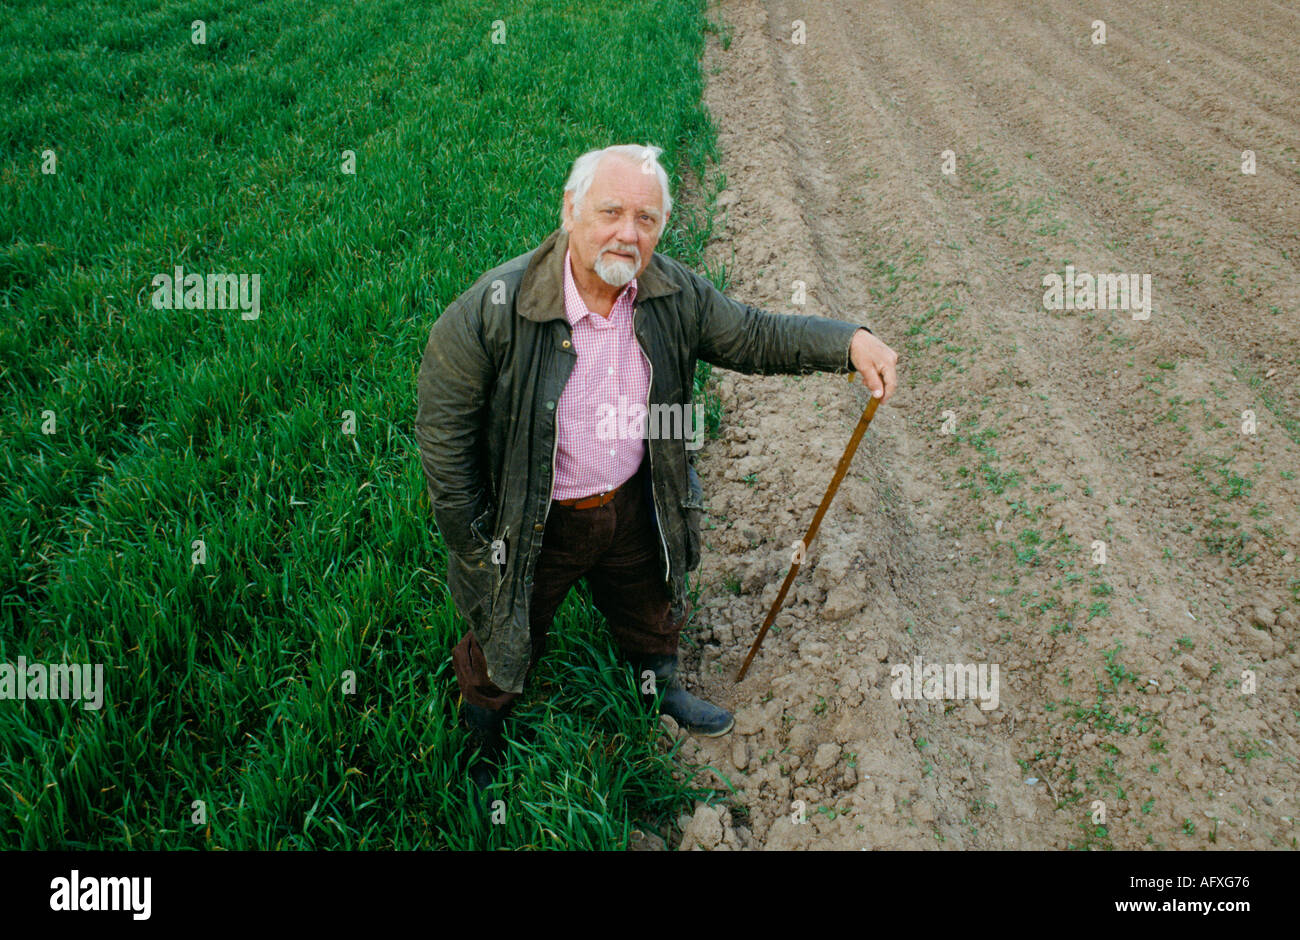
<point x="225" y="680"/>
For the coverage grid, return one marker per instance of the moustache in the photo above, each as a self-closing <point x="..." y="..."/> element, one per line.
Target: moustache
<point x="629" y="250"/>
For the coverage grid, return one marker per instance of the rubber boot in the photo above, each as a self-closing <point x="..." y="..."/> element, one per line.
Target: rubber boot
<point x="484" y="726"/>
<point x="690" y="712"/>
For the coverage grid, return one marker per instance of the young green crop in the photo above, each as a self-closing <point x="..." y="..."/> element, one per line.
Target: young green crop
<point x="225" y="680"/>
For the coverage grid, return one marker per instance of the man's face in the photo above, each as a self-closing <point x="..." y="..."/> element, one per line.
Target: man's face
<point x="617" y="232"/>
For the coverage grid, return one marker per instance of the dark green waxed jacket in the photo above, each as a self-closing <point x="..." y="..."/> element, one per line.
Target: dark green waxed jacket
<point x="493" y="370"/>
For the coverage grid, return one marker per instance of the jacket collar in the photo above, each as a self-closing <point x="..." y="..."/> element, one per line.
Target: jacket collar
<point x="541" y="292"/>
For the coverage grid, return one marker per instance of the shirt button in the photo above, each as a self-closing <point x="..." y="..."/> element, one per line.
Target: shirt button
<point x="611" y="370"/>
<point x="611" y="452"/>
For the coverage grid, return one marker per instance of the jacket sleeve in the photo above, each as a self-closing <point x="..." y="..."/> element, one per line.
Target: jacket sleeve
<point x="746" y="339"/>
<point x="456" y="376"/>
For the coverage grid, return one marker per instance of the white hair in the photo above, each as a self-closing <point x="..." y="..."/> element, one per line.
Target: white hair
<point x="584" y="171"/>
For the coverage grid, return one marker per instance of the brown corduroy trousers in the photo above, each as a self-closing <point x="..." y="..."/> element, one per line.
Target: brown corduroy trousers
<point x="614" y="548"/>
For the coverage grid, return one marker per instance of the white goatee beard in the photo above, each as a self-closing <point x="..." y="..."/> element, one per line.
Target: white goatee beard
<point x="616" y="273"/>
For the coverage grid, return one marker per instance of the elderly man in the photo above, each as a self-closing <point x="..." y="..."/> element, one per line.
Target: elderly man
<point x="533" y="487"/>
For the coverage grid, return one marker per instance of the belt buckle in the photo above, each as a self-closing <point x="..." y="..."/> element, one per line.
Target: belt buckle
<point x="594" y="501"/>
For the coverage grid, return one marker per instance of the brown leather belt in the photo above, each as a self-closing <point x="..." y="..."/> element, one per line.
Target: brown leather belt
<point x="590" y="502"/>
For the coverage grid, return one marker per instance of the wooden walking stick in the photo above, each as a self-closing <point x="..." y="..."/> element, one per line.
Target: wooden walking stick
<point x="840" y="470"/>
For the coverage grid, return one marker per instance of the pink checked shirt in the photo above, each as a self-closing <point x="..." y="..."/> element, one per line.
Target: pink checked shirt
<point x="589" y="459"/>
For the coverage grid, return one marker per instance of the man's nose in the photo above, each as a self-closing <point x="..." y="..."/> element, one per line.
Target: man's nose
<point x="627" y="232"/>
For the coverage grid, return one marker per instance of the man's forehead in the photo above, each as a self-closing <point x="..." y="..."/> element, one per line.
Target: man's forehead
<point x="616" y="178"/>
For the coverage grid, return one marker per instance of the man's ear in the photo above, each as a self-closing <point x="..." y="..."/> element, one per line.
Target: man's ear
<point x="567" y="212"/>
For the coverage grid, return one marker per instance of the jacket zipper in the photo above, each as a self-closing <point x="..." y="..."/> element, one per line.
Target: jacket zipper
<point x="654" y="496"/>
<point x="501" y="580"/>
<point x="555" y="455"/>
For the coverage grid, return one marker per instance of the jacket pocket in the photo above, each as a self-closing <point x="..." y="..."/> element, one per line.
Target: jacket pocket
<point x="481" y="527"/>
<point x="461" y="531"/>
<point x="473" y="581"/>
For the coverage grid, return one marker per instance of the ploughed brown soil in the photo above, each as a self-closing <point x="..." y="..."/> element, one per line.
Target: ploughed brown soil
<point x="1020" y="436"/>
